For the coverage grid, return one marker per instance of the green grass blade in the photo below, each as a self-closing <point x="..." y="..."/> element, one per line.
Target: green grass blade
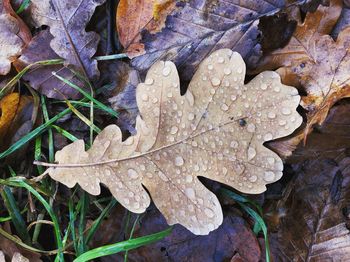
<point x="82" y="223"/>
<point x="88" y="96"/>
<point x="15" y="214"/>
<point x="111" y="57"/>
<point x="23" y="6"/>
<point x="50" y="137"/>
<point x="99" y="220"/>
<point x="123" y="246"/>
<point x="20" y="182"/>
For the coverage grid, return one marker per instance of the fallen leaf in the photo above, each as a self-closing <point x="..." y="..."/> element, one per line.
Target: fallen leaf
<point x="41" y="78"/>
<point x="14" y="114"/>
<point x="196" y="28"/>
<point x="11" y="250"/>
<point x="216" y="130"/>
<point x="14" y="34"/>
<point x="67" y="21"/>
<point x="314" y="227"/>
<point x="313" y="60"/>
<point x="135" y="16"/>
<point x="233" y="237"/>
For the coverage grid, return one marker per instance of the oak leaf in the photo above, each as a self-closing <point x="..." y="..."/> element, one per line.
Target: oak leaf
<point x="41" y="78"/>
<point x="313" y="60"/>
<point x="14" y="35"/>
<point x="67" y="21"/>
<point x="193" y="29"/>
<point x="216" y="130"/>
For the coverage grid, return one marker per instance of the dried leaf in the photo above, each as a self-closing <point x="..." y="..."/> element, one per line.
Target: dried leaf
<point x="13" y="34"/>
<point x="135" y="16"/>
<point x="15" y="111"/>
<point x="233" y="237"/>
<point x="314" y="228"/>
<point x="216" y="130"/>
<point x="41" y="78"/>
<point x="195" y="28"/>
<point x="17" y="257"/>
<point x="67" y="20"/>
<point x="312" y="59"/>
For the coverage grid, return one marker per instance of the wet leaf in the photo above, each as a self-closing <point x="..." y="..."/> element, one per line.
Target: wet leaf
<point x="216" y="130"/>
<point x="14" y="34"/>
<point x="196" y="28"/>
<point x="313" y="60"/>
<point x="41" y="78"/>
<point x="67" y="21"/>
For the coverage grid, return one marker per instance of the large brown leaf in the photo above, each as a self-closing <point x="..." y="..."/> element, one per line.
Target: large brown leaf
<point x="216" y="130"/>
<point x="13" y="36"/>
<point x="313" y="60"/>
<point x="196" y="28"/>
<point x="67" y="20"/>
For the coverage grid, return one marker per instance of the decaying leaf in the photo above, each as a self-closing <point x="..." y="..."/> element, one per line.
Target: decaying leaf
<point x="216" y="130"/>
<point x="13" y="36"/>
<point x="313" y="60"/>
<point x="196" y="28"/>
<point x="67" y="21"/>
<point x="41" y="78"/>
<point x="314" y="228"/>
<point x="17" y="257"/>
<point x="135" y="16"/>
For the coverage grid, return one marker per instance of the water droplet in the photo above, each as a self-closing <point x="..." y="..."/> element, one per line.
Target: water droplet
<point x="179" y="161"/>
<point x="270" y="160"/>
<point x="253" y="178"/>
<point x="224" y="170"/>
<point x="227" y="71"/>
<point x="263" y="86"/>
<point x="189" y="178"/>
<point x="132" y="173"/>
<point x="142" y="167"/>
<point x="174" y="106"/>
<point x="190" y="193"/>
<point x="149" y="81"/>
<point x="286" y="111"/>
<point x="269" y="176"/>
<point x="170" y="94"/>
<point x="149" y="175"/>
<point x="271" y="115"/>
<point x="224" y="107"/>
<point x="233" y="97"/>
<point x="239" y="70"/>
<point x="251" y="128"/>
<point x="204" y="78"/>
<point x="277" y="88"/>
<point x="251" y="153"/>
<point x="154" y="100"/>
<point x="210" y="67"/>
<point x="212" y="91"/>
<point x="196" y="168"/>
<point x="126" y="201"/>
<point x="190" y="116"/>
<point x="246" y="105"/>
<point x="215" y="81"/>
<point x="174" y="130"/>
<point x="136" y="205"/>
<point x="144" y="97"/>
<point x="171" y="139"/>
<point x="234" y="144"/>
<point x="282" y="122"/>
<point x="221" y="59"/>
<point x="166" y="71"/>
<point x="209" y="213"/>
<point x="268" y="136"/>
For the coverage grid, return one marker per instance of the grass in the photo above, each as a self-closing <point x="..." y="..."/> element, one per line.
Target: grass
<point x="67" y="220"/>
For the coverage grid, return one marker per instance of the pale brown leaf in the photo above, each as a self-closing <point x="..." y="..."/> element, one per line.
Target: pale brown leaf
<point x="216" y="130"/>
